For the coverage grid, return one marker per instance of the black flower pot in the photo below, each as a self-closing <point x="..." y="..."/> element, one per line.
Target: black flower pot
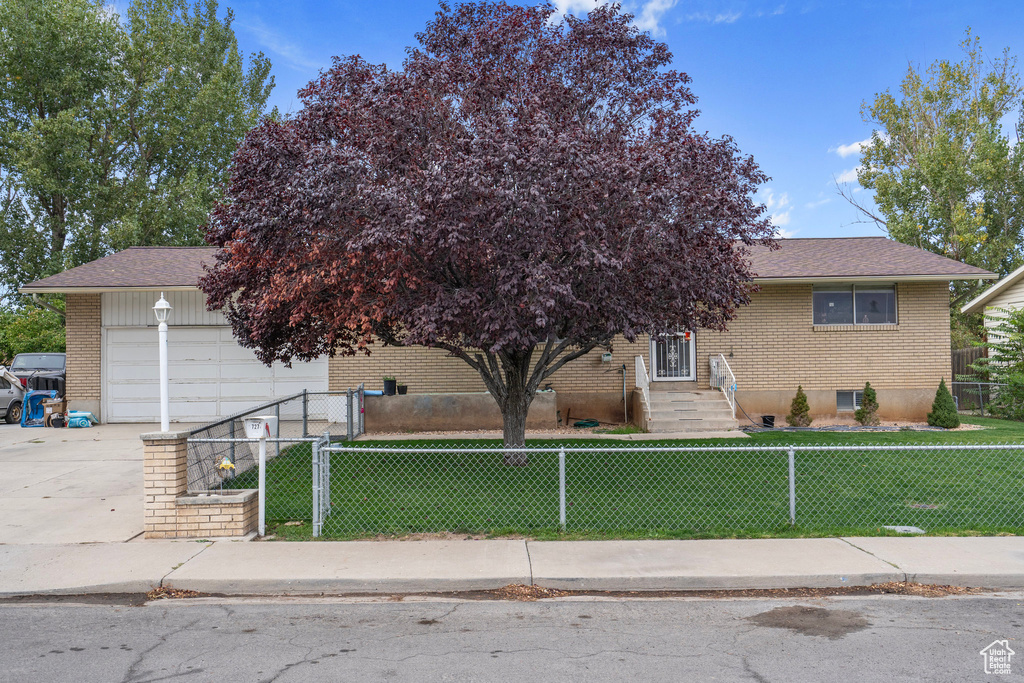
<point x="402" y="390"/>
<point x="389" y="387"/>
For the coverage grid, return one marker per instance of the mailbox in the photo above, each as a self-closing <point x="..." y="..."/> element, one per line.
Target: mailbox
<point x="260" y="426"/>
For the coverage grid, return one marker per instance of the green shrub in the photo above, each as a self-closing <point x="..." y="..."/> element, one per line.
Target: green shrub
<point x="799" y="411"/>
<point x="867" y="414"/>
<point x="943" y="409"/>
<point x="1008" y="403"/>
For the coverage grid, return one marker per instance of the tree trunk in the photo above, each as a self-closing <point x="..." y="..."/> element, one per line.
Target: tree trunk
<point x="513" y="416"/>
<point x="518" y="397"/>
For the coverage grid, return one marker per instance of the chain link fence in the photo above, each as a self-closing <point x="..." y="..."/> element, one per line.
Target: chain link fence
<point x="354" y="489"/>
<point x="974" y="397"/>
<point x="696" y="491"/>
<point x="300" y="418"/>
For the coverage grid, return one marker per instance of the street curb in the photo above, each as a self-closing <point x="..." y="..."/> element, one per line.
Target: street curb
<point x="733" y="582"/>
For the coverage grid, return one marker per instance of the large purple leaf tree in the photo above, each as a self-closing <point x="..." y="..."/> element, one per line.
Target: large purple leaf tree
<point x="523" y="190"/>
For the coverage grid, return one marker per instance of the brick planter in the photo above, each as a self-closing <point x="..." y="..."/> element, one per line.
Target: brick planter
<point x="171" y="512"/>
<point x="215" y="513"/>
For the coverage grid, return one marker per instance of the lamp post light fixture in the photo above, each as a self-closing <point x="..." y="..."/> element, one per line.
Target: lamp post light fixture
<point x="162" y="309"/>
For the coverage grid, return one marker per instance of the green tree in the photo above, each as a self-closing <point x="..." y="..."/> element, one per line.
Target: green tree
<point x="115" y="131"/>
<point x="944" y="409"/>
<point x="799" y="410"/>
<point x="30" y="329"/>
<point x="867" y="414"/>
<point x="945" y="175"/>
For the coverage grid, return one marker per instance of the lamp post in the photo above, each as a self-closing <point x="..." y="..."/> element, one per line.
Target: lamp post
<point x="162" y="311"/>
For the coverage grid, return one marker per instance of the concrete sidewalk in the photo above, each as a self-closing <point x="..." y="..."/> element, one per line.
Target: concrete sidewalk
<point x="280" y="568"/>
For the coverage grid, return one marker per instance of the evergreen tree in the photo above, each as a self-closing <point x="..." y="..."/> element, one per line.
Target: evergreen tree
<point x="943" y="409"/>
<point x="867" y="414"/>
<point x="799" y="410"/>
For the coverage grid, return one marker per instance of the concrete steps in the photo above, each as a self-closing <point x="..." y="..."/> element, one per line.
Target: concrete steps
<point x="689" y="410"/>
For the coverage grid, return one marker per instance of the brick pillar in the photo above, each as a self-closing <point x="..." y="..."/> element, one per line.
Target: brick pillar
<point x="83" y="323"/>
<point x="165" y="478"/>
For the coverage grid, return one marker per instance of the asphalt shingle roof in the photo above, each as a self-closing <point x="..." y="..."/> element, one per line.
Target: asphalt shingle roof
<point x="135" y="267"/>
<point x="811" y="258"/>
<point x="853" y="257"/>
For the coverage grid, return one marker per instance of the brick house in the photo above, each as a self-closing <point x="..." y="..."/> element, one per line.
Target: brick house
<point x="830" y="314"/>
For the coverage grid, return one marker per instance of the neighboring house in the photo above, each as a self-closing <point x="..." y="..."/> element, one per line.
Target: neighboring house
<point x="831" y="314"/>
<point x="1007" y="294"/>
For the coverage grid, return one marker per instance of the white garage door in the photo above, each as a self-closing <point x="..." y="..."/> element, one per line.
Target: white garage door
<point x="210" y="375"/>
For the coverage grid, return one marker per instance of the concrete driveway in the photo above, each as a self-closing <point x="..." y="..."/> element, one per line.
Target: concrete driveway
<point x="71" y="485"/>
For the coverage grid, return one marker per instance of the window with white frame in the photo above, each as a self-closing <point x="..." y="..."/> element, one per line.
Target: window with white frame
<point x="873" y="304"/>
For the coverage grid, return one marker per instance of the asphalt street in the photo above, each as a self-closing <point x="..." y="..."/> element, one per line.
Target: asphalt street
<point x="883" y="638"/>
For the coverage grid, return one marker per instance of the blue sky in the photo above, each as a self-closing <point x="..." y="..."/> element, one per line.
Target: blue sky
<point x="785" y="79"/>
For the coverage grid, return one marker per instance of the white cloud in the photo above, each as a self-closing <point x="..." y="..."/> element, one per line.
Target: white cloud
<point x="291" y="52"/>
<point x="852" y="148"/>
<point x="731" y="16"/>
<point x="816" y="204"/>
<point x="849" y="175"/>
<point x="778" y="206"/>
<point x="785" y="234"/>
<point x="649" y="17"/>
<point x="573" y="6"/>
<point x="648" y="13"/>
<point x="715" y="17"/>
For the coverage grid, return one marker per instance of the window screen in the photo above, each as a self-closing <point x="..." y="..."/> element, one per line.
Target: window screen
<point x="848" y="401"/>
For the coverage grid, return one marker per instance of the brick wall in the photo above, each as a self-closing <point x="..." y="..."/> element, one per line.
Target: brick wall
<point x="82" y="331"/>
<point x="772" y="344"/>
<point x="433" y="371"/>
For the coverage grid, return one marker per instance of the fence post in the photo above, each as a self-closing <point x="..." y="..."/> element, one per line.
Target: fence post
<point x="325" y="478"/>
<point x="231" y="433"/>
<point x="792" y="486"/>
<point x="317" y="495"/>
<point x="561" y="488"/>
<point x="981" y="400"/>
<point x="277" y="428"/>
<point x="305" y="413"/>
<point x="349" y="413"/>
<point x="362" y="423"/>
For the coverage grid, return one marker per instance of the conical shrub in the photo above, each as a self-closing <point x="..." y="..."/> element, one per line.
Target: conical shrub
<point x="799" y="410"/>
<point x="943" y="409"/>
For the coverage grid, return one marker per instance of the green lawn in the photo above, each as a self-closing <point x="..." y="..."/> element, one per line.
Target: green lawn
<point x="664" y="495"/>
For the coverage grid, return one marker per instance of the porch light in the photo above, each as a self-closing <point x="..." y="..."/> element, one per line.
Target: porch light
<point x="162" y="309"/>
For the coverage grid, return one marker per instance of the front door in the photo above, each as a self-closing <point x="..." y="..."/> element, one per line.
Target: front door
<point x="672" y="357"/>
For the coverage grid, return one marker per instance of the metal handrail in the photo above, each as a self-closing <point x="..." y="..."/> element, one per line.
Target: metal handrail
<point x="643" y="383"/>
<point x="723" y="378"/>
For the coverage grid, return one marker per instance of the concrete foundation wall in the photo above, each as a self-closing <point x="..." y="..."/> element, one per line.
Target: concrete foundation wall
<point x="450" y="412"/>
<point x="637" y="415"/>
<point x="893" y="404"/>
<point x="603" y="406"/>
